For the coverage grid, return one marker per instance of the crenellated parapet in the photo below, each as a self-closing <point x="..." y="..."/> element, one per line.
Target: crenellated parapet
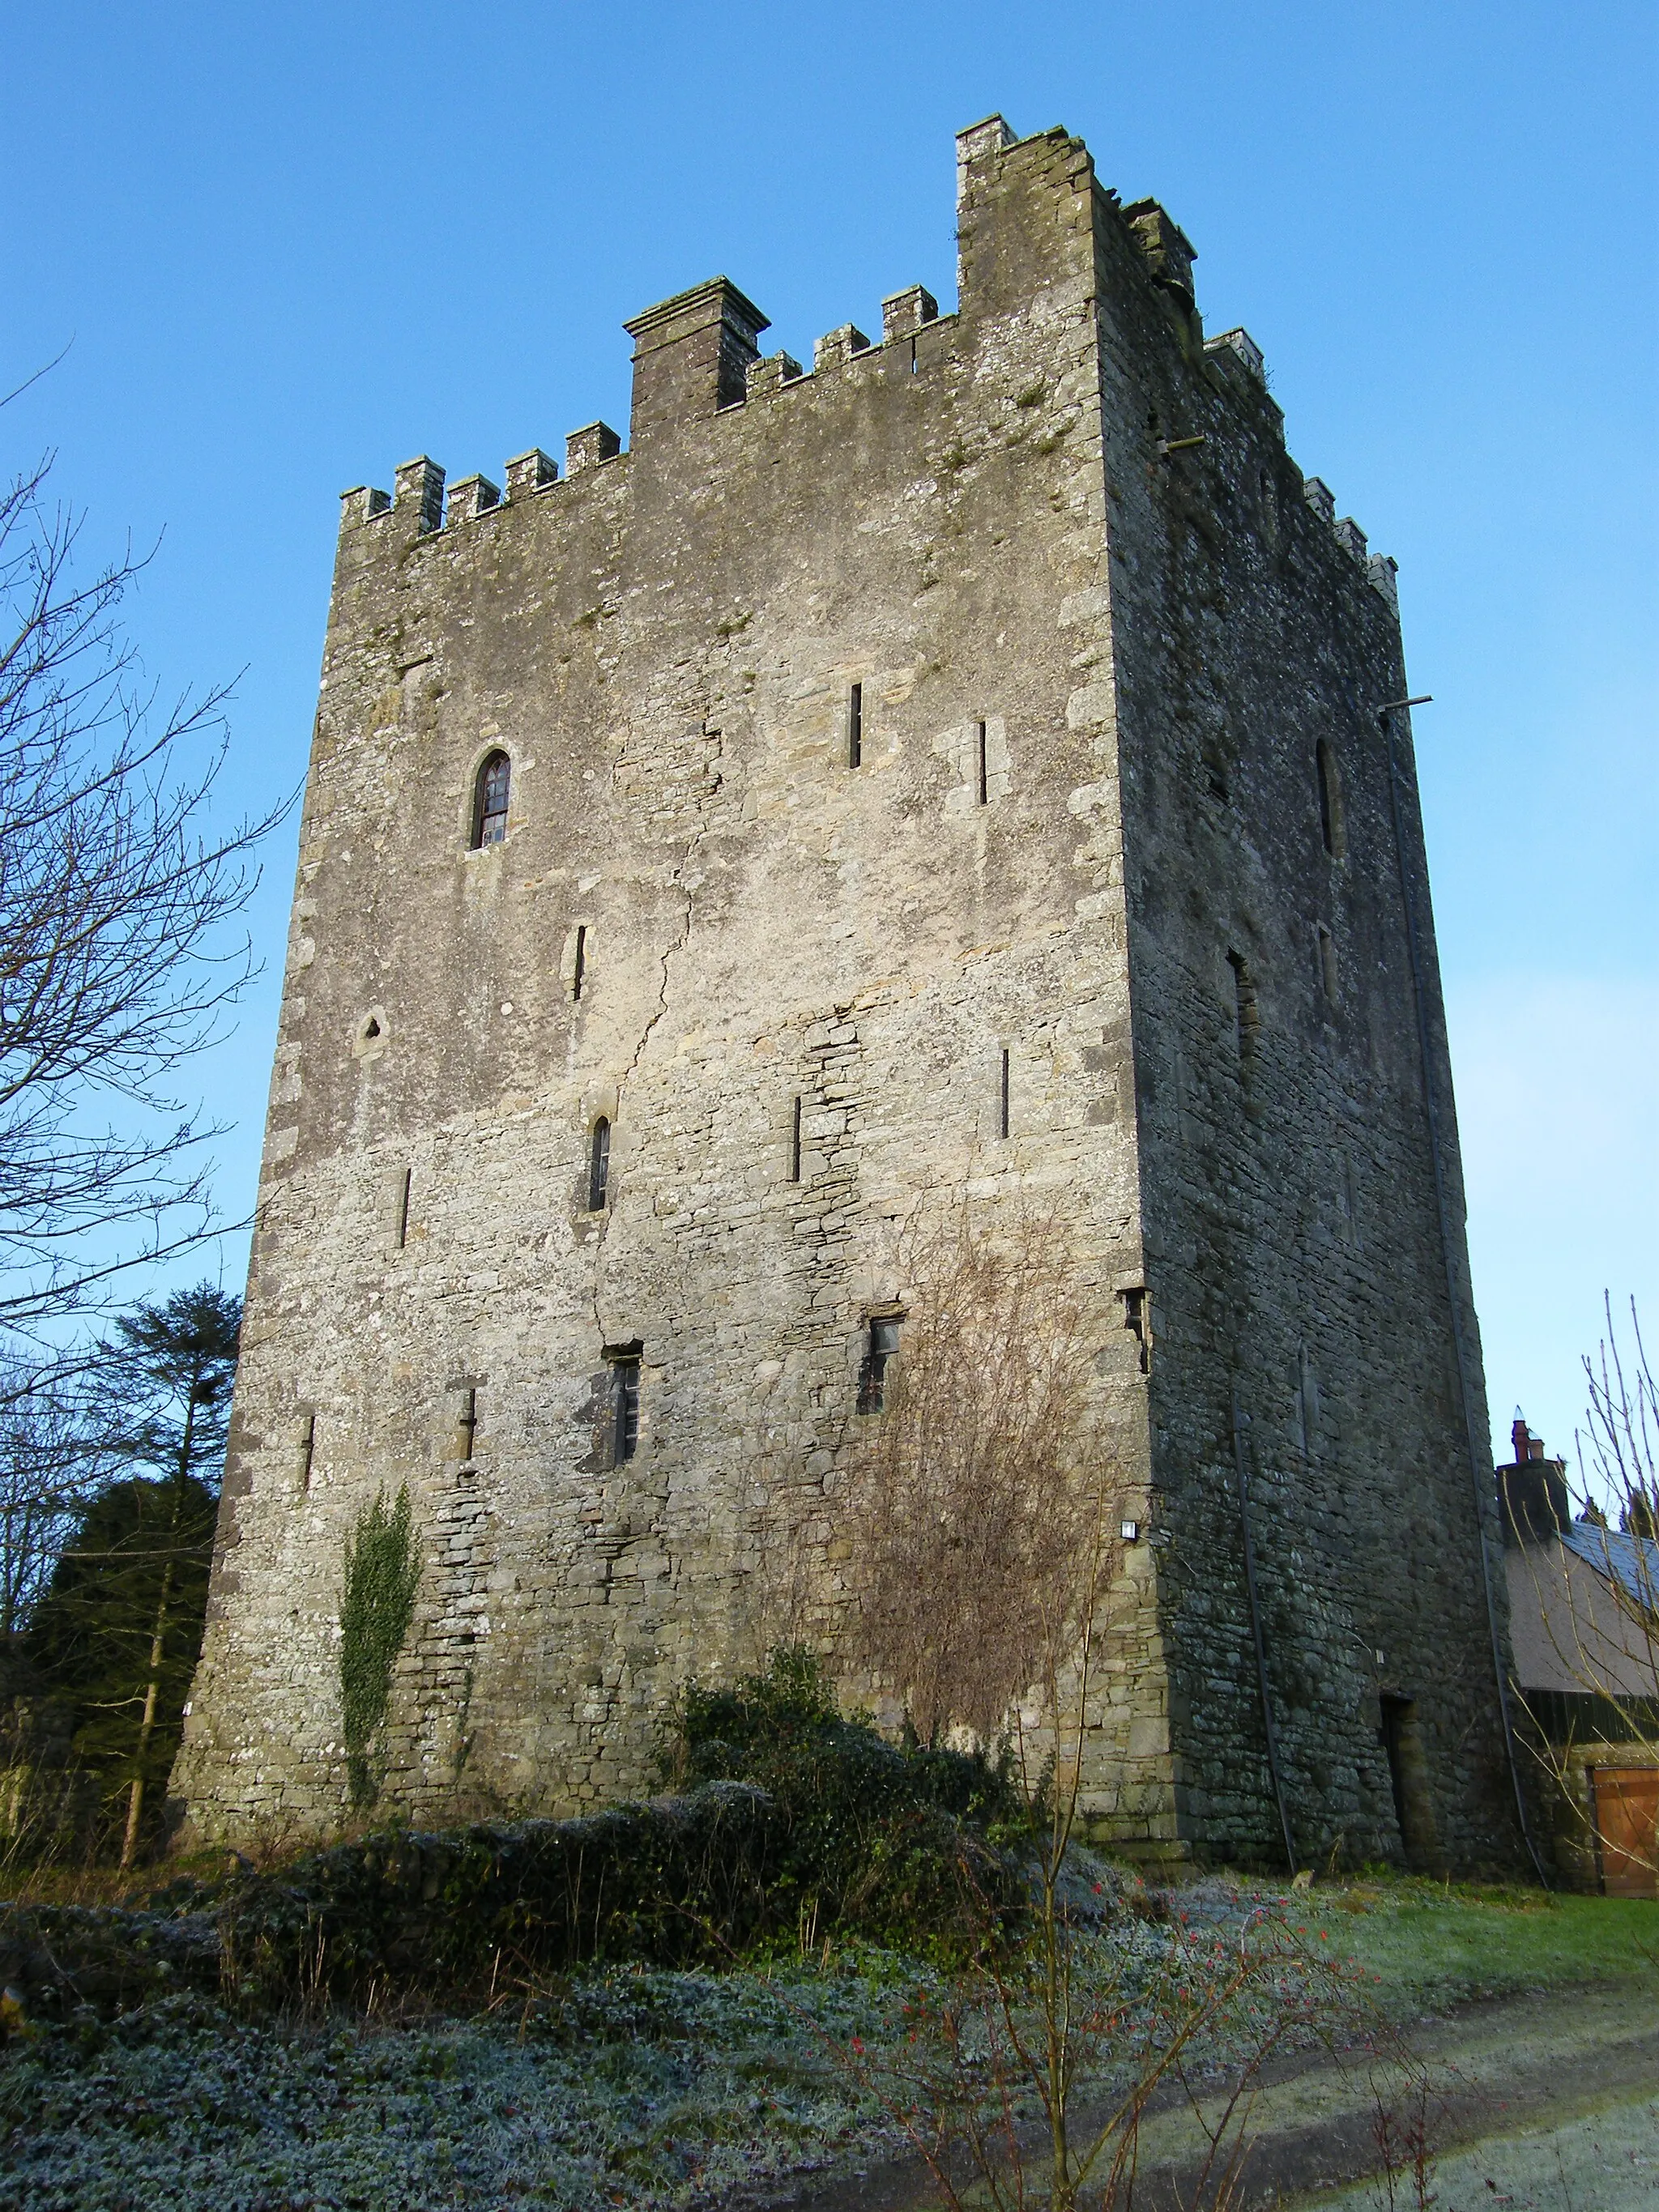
<point x="697" y="363"/>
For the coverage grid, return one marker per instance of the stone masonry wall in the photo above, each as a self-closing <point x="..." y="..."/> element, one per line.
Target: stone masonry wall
<point x="703" y="913"/>
<point x="666" y="642"/>
<point x="1293" y="1245"/>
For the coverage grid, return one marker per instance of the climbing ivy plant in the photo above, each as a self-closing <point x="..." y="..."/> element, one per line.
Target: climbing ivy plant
<point x="377" y="1604"/>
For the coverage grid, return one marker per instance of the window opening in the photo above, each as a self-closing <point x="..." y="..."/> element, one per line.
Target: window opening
<point x="402" y="1208"/>
<point x="1003" y="1099"/>
<point x="795" y="1144"/>
<point x="881" y="1345"/>
<point x="598" y="1166"/>
<point x="624" y="1408"/>
<point x="1330" y="801"/>
<point x="1246" y="1020"/>
<point x="856" y="727"/>
<point x="984" y="770"/>
<point x="309" y="1453"/>
<point x="580" y="970"/>
<point x="489" y="805"/>
<point x="467" y="1427"/>
<point x="1137" y="1321"/>
<point x="1328" y="962"/>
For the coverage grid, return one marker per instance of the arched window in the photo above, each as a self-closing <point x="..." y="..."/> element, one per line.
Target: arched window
<point x="489" y="800"/>
<point x="1330" y="801"/>
<point x="598" y="1165"/>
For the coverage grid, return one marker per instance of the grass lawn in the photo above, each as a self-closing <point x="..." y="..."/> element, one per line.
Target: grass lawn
<point x="1432" y="1945"/>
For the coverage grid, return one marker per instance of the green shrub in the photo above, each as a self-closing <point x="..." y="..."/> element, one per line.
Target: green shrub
<point x="896" y="1844"/>
<point x="792" y="1826"/>
<point x="377" y="1604"/>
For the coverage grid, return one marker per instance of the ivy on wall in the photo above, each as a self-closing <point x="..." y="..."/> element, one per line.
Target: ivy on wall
<point x="377" y="1604"/>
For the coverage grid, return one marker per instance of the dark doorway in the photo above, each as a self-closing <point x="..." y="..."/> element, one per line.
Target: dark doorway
<point x="1408" y="1771"/>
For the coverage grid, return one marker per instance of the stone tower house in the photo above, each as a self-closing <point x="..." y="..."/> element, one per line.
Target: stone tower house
<point x="973" y="766"/>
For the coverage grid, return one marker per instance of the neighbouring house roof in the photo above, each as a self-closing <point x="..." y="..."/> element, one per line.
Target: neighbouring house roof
<point x="1584" y="1613"/>
<point x="1632" y="1561"/>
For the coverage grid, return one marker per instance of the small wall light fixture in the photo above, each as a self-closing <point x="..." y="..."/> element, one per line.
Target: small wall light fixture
<point x="1131" y="1532"/>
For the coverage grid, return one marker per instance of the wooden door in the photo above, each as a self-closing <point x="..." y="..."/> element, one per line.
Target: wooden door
<point x="1627" y="1821"/>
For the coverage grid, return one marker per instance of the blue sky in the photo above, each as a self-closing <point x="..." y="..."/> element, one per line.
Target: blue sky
<point x="294" y="246"/>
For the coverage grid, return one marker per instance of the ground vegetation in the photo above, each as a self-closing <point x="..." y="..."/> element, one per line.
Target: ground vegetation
<point x="628" y="2083"/>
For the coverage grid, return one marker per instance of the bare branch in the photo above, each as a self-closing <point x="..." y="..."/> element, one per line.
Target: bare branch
<point x="981" y="1486"/>
<point x="118" y="959"/>
<point x="1593" y="1599"/>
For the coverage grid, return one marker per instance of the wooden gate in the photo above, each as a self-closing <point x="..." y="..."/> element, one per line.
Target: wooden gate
<point x="1628" y="1823"/>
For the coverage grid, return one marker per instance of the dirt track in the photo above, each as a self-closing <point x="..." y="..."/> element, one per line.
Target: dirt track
<point x="1541" y="2100"/>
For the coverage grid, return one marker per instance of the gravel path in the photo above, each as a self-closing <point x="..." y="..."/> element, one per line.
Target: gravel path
<point x="1551" y="2098"/>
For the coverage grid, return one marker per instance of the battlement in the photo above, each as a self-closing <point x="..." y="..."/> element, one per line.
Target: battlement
<point x="697" y="358"/>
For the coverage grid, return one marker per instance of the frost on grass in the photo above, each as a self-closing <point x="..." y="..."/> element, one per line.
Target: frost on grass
<point x="646" y="2088"/>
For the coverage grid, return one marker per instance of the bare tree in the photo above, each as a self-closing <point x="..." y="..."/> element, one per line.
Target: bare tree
<point x="984" y="1521"/>
<point x="977" y="1518"/>
<point x="984" y="1546"/>
<point x="1594" y="1614"/>
<point x="55" y="1453"/>
<point x="116" y="962"/>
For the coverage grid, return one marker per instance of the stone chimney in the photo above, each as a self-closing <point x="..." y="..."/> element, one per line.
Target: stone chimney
<point x="1532" y="1490"/>
<point x="691" y="354"/>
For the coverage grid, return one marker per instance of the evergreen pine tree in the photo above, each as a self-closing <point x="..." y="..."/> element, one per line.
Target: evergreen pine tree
<point x="116" y="1636"/>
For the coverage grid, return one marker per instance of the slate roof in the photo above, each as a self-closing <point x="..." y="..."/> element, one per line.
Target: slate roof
<point x="1631" y="1561"/>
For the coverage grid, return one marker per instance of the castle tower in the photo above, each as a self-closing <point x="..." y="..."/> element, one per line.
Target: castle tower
<point x="973" y="766"/>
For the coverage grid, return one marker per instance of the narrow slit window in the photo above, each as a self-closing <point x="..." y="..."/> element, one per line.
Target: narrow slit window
<point x="1246" y="1019"/>
<point x="880" y="1347"/>
<point x="1331" y="829"/>
<point x="983" y="766"/>
<point x="403" y="1208"/>
<point x="1138" y="1321"/>
<point x="489" y="800"/>
<point x="1003" y="1092"/>
<point x="598" y="1166"/>
<point x="624" y="1409"/>
<point x="794" y="1143"/>
<point x="308" y="1452"/>
<point x="466" y="1428"/>
<point x="855" y="727"/>
<point x="1328" y="975"/>
<point x="579" y="970"/>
